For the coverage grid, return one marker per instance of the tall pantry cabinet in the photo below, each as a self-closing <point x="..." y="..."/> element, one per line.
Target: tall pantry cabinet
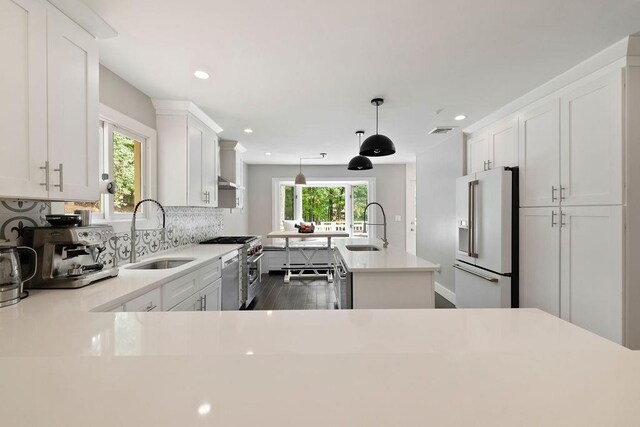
<point x="580" y="202"/>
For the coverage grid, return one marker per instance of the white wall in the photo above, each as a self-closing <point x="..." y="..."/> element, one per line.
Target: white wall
<point x="436" y="171"/>
<point x="390" y="193"/>
<point x="120" y="95"/>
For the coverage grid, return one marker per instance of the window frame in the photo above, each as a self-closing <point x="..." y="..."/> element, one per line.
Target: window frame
<point x="322" y="182"/>
<point x="112" y="120"/>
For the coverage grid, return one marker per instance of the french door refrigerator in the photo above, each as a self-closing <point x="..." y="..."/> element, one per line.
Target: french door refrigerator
<point x="486" y="267"/>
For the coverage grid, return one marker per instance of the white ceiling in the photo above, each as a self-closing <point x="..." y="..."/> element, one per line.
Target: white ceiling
<point x="301" y="73"/>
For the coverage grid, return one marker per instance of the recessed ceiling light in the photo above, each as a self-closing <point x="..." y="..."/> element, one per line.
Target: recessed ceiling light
<point x="201" y="74"/>
<point x="460" y="117"/>
<point x="247" y="130"/>
<point x="267" y="153"/>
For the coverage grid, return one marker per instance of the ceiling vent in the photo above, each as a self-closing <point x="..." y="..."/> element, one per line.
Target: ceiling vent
<point x="440" y="130"/>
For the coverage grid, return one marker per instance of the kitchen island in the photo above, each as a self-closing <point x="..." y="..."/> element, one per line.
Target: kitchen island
<point x="368" y="275"/>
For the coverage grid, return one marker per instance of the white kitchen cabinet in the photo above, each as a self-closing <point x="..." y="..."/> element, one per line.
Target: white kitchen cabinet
<point x="477" y="153"/>
<point x="180" y="289"/>
<point x="192" y="303"/>
<point x="539" y="154"/>
<point x="592" y="269"/>
<point x="503" y="144"/>
<point x="49" y="112"/>
<point x="212" y="296"/>
<point x="592" y="142"/>
<point x="539" y="276"/>
<point x="23" y="91"/>
<point x="72" y="83"/>
<point x="151" y="301"/>
<point x="187" y="151"/>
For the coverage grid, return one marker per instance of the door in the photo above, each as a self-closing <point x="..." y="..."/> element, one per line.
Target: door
<point x="209" y="174"/>
<point x="539" y="154"/>
<point x="491" y="224"/>
<point x="591" y="145"/>
<point x="212" y="296"/>
<point x="539" y="277"/>
<point x="72" y="63"/>
<point x="464" y="218"/>
<point x="192" y="303"/>
<point x="477" y="288"/>
<point x="592" y="269"/>
<point x="196" y="190"/>
<point x="477" y="153"/>
<point x="23" y="120"/>
<point x="503" y="144"/>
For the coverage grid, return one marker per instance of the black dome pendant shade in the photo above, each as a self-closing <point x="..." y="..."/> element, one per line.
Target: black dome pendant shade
<point x="360" y="163"/>
<point x="377" y="145"/>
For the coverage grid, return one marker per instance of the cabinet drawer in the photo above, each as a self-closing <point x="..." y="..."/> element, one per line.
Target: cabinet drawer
<point x="180" y="289"/>
<point x="192" y="303"/>
<point x="211" y="272"/>
<point x="151" y="301"/>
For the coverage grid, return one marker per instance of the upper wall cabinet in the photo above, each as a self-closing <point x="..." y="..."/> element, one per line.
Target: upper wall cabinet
<point x="591" y="142"/>
<point x="539" y="155"/>
<point x="49" y="93"/>
<point x="187" y="155"/>
<point x="231" y="183"/>
<point x="495" y="147"/>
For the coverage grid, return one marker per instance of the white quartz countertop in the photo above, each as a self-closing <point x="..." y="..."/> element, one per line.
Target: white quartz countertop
<point x="111" y="292"/>
<point x="390" y="259"/>
<point x="62" y="365"/>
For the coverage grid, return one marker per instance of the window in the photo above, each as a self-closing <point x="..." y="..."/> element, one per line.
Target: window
<point x="332" y="205"/>
<point x="125" y="157"/>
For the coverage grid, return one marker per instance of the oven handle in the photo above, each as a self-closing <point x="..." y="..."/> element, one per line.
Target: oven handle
<point x="256" y="259"/>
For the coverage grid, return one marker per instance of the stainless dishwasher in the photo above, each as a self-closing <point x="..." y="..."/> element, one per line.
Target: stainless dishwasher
<point x="231" y="281"/>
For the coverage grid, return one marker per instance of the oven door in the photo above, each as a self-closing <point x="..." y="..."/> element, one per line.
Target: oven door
<point x="253" y="277"/>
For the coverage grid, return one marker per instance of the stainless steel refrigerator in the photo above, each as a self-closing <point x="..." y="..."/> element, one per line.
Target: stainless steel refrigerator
<point x="486" y="267"/>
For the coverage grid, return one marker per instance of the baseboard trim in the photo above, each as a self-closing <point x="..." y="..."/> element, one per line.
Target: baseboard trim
<point x="445" y="293"/>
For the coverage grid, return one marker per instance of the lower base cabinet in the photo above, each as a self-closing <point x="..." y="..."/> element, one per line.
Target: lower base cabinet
<point x="151" y="301"/>
<point x="572" y="265"/>
<point x="208" y="299"/>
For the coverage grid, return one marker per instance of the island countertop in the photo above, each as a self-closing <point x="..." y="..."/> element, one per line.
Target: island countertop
<point x="389" y="259"/>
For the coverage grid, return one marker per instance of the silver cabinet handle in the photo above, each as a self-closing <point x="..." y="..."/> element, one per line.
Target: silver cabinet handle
<point x="553" y="219"/>
<point x="489" y="164"/>
<point x="562" y="217"/>
<point x="553" y="193"/>
<point x="484" y="165"/>
<point x="151" y="307"/>
<point x="60" y="171"/>
<point x="562" y="188"/>
<point x="46" y="175"/>
<point x="482" y="276"/>
<point x="204" y="303"/>
<point x="201" y="304"/>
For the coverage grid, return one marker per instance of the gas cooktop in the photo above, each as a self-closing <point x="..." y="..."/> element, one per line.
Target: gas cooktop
<point x="228" y="240"/>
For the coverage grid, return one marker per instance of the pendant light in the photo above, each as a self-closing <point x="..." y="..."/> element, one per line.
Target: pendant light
<point x="377" y="145"/>
<point x="300" y="178"/>
<point x="360" y="163"/>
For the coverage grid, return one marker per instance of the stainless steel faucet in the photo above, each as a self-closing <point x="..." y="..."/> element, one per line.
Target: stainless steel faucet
<point x="133" y="255"/>
<point x="384" y="222"/>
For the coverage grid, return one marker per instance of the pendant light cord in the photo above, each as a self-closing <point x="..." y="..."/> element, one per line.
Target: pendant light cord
<point x="377" y="118"/>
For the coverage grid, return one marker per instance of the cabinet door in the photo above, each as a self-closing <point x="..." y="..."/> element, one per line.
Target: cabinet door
<point x="209" y="173"/>
<point x="23" y="93"/>
<point x="212" y="296"/>
<point x="592" y="269"/>
<point x="539" y="154"/>
<point x="151" y="301"/>
<point x="72" y="62"/>
<point x="196" y="143"/>
<point x="591" y="145"/>
<point x="477" y="153"/>
<point x="540" y="259"/>
<point x="503" y="144"/>
<point x="192" y="303"/>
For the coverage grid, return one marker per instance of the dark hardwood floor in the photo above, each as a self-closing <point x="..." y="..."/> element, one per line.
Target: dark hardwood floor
<point x="306" y="294"/>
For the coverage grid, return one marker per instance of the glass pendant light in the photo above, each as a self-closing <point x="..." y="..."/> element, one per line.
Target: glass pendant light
<point x="377" y="145"/>
<point x="360" y="163"/>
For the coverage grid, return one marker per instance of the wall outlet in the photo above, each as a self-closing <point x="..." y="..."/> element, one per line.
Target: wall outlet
<point x="397" y="218"/>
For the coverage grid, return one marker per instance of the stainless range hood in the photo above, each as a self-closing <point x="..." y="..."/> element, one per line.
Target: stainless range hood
<point x="224" y="184"/>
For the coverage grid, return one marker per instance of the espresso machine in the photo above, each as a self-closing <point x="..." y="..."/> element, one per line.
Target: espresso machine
<point x="69" y="257"/>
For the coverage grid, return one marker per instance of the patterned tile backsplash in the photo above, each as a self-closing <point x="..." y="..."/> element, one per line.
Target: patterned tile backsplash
<point x="184" y="225"/>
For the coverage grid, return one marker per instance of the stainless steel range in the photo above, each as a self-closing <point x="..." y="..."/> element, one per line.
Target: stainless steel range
<point x="250" y="261"/>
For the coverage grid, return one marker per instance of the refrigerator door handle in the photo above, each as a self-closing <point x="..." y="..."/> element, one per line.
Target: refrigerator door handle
<point x="482" y="276"/>
<point x="469" y="218"/>
<point x="472" y="218"/>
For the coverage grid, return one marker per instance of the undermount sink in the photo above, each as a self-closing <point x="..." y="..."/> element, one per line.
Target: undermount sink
<point x="366" y="248"/>
<point x="161" y="264"/>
